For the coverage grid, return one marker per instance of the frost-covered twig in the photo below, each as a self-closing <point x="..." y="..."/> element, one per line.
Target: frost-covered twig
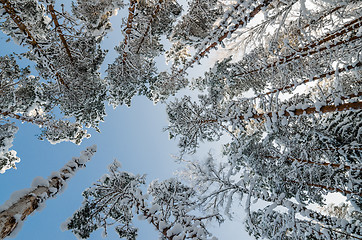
<point x="327" y="188"/>
<point x="346" y="68"/>
<point x="334" y="165"/>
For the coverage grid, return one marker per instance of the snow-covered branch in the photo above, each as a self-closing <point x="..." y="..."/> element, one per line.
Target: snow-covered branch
<point x="24" y="202"/>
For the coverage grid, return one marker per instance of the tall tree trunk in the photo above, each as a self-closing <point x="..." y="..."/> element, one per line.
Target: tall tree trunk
<point x="308" y="49"/>
<point x="241" y="23"/>
<point x="298" y="111"/>
<point x="16" y="210"/>
<point x="131" y="14"/>
<point x="59" y="31"/>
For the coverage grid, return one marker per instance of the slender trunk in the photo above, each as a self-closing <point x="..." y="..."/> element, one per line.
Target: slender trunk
<point x="307" y="50"/>
<point x="153" y="16"/>
<point x="17" y="19"/>
<point x="241" y="23"/>
<point x="330" y="189"/>
<point x="131" y="14"/>
<point x="298" y="111"/>
<point x="22" y="207"/>
<point x="59" y="31"/>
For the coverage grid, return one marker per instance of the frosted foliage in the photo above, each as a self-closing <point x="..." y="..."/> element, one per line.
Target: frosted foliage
<point x="134" y="71"/>
<point x="129" y="78"/>
<point x="221" y="182"/>
<point x="96" y="14"/>
<point x="285" y="89"/>
<point x="33" y="16"/>
<point x="186" y="119"/>
<point x="71" y="71"/>
<point x="118" y="196"/>
<point x="21" y="93"/>
<point x="67" y="62"/>
<point x="8" y="158"/>
<point x="60" y="131"/>
<point x="198" y="22"/>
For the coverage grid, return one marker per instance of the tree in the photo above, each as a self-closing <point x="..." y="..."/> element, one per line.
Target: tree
<point x="297" y="147"/>
<point x="291" y="104"/>
<point x="117" y="197"/>
<point x="221" y="185"/>
<point x="24" y="202"/>
<point x="78" y="91"/>
<point x="134" y="71"/>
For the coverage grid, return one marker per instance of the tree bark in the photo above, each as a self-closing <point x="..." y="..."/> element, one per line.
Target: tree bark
<point x="60" y="33"/>
<point x="131" y="14"/>
<point x="298" y="111"/>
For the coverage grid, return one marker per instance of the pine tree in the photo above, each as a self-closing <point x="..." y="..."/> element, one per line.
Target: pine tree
<point x="288" y="144"/>
<point x="118" y="196"/>
<point x="62" y="51"/>
<point x="223" y="185"/>
<point x="291" y="104"/>
<point x="24" y="202"/>
<point x="134" y="71"/>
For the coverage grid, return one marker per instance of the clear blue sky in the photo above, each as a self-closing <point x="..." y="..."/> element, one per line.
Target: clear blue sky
<point x="133" y="135"/>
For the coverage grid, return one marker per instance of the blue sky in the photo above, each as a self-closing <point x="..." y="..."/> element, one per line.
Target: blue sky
<point x="133" y="135"/>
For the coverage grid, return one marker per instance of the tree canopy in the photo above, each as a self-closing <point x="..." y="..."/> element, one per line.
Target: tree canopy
<point x="286" y="89"/>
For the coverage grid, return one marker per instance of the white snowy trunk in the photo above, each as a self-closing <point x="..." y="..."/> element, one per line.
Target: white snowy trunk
<point x="22" y="203"/>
